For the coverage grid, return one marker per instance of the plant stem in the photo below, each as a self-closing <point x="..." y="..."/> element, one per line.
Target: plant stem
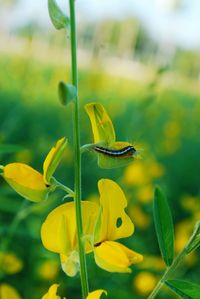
<point x="192" y="244"/>
<point x="76" y="130"/>
<point x="168" y="272"/>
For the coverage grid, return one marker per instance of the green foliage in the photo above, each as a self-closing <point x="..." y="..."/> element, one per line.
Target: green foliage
<point x="58" y="18"/>
<point x="185" y="289"/>
<point x="168" y="127"/>
<point x="9" y="148"/>
<point x="164" y="226"/>
<point x="67" y="92"/>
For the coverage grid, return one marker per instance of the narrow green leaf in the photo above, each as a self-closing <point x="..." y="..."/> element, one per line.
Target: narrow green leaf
<point x="58" y="18"/>
<point x="67" y="92"/>
<point x="164" y="226"/>
<point x="185" y="289"/>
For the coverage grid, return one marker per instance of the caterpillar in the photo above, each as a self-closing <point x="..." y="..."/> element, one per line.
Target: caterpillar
<point x="126" y="151"/>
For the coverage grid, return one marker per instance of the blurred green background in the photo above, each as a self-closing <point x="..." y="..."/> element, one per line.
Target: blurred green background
<point x="153" y="103"/>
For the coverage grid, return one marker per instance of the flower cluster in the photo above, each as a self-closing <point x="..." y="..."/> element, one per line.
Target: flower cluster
<point x="103" y="224"/>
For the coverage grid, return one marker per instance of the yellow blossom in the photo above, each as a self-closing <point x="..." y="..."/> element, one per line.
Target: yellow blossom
<point x="145" y="193"/>
<point x="52" y="293"/>
<point x="28" y="182"/>
<point x="102" y="225"/>
<point x="144" y="282"/>
<point x="59" y="232"/>
<point x="48" y="270"/>
<point x="9" y="263"/>
<point x="104" y="135"/>
<point x="113" y="224"/>
<point x="8" y="292"/>
<point x="141" y="219"/>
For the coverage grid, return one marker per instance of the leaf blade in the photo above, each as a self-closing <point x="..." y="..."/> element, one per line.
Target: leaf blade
<point x="66" y="92"/>
<point x="58" y="18"/>
<point x="185" y="289"/>
<point x="164" y="226"/>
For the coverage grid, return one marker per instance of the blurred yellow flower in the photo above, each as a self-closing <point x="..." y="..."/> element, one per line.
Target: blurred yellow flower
<point x="172" y="129"/>
<point x="104" y="139"/>
<point x="10" y="263"/>
<point x="190" y="203"/>
<point x="102" y="225"/>
<point x="144" y="282"/>
<point x="135" y="174"/>
<point x="145" y="194"/>
<point x="183" y="231"/>
<point x="152" y="262"/>
<point x="143" y="173"/>
<point x="48" y="270"/>
<point x="139" y="217"/>
<point x="8" y="292"/>
<point x="52" y="293"/>
<point x="28" y="182"/>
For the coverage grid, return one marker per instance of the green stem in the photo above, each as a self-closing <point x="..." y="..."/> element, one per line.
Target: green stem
<point x="192" y="244"/>
<point x="69" y="191"/>
<point x="168" y="273"/>
<point x="76" y="129"/>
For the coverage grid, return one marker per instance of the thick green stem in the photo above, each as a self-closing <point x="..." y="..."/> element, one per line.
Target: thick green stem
<point x="76" y="129"/>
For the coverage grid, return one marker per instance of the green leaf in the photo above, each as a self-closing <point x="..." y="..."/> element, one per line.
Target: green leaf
<point x="67" y="92"/>
<point x="185" y="289"/>
<point x="58" y="18"/>
<point x="164" y="226"/>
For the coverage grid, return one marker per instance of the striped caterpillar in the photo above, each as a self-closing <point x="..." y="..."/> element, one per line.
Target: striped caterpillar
<point x="127" y="151"/>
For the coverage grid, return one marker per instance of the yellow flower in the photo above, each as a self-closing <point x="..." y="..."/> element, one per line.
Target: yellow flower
<point x="48" y="270"/>
<point x="104" y="136"/>
<point x="113" y="224"/>
<point x="59" y="233"/>
<point x="102" y="127"/>
<point x="28" y="182"/>
<point x="144" y="282"/>
<point x="145" y="193"/>
<point x="102" y="225"/>
<point x="51" y="294"/>
<point x="7" y="291"/>
<point x="9" y="263"/>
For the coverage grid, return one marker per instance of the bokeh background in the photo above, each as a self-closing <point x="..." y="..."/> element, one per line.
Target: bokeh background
<point x="141" y="60"/>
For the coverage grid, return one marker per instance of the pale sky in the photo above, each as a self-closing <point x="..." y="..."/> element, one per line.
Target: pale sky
<point x="180" y="27"/>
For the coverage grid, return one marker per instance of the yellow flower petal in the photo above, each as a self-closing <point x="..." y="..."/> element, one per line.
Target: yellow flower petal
<point x="26" y="181"/>
<point x="51" y="294"/>
<point x="96" y="294"/>
<point x="115" y="257"/>
<point x="102" y="126"/>
<point x="8" y="292"/>
<point x="53" y="158"/>
<point x="70" y="264"/>
<point x="58" y="232"/>
<point x="114" y="222"/>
